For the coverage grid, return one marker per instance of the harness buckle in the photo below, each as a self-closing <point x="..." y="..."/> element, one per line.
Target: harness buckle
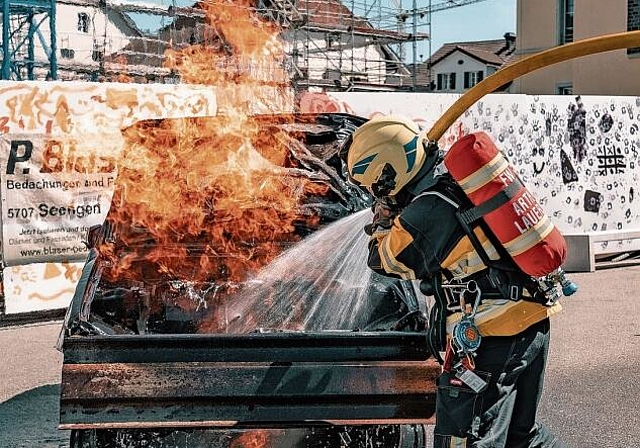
<point x="514" y="293"/>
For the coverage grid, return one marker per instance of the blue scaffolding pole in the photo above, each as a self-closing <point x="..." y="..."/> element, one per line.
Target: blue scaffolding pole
<point x="21" y="26"/>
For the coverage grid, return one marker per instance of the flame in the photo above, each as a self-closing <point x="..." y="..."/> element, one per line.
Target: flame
<point x="205" y="182"/>
<point x="211" y="199"/>
<point x="238" y="47"/>
<point x="251" y="439"/>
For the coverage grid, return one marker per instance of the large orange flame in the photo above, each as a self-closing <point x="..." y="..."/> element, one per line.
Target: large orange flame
<point x="210" y="199"/>
<point x="202" y="185"/>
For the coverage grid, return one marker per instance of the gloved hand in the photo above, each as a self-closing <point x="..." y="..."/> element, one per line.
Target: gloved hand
<point x="383" y="216"/>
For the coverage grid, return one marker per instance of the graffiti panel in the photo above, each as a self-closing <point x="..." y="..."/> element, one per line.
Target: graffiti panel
<point x="578" y="154"/>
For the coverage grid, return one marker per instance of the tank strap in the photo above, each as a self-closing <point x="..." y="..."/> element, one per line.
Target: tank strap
<point x="448" y="190"/>
<point x="512" y="285"/>
<point x="496" y="201"/>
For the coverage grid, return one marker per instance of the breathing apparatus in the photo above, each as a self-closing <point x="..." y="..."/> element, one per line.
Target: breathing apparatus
<point x="394" y="175"/>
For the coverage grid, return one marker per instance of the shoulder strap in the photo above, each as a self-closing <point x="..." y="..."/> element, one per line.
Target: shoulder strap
<point x="497" y="201"/>
<point x="469" y="215"/>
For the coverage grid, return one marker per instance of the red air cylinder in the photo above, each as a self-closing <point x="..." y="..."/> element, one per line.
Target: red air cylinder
<point x="520" y="224"/>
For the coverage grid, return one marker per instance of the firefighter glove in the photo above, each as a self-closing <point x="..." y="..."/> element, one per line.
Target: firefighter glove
<point x="383" y="216"/>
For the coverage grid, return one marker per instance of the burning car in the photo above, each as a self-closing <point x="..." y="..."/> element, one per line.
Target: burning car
<point x="227" y="290"/>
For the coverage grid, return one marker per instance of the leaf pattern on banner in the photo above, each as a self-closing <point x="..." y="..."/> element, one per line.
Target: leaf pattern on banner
<point x="70" y="107"/>
<point x="72" y="272"/>
<point x="40" y="286"/>
<point x="50" y="297"/>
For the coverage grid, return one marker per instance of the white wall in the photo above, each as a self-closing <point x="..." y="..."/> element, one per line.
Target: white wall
<point x="585" y="172"/>
<point x="83" y="43"/>
<point x="68" y="35"/>
<point x="450" y="64"/>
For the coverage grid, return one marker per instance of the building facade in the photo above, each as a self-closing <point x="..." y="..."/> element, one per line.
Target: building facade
<point x="85" y="36"/>
<point x="543" y="24"/>
<point x="334" y="49"/>
<point x="457" y="66"/>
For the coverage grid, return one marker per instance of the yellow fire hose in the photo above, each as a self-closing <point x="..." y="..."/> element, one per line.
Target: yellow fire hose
<point x="529" y="64"/>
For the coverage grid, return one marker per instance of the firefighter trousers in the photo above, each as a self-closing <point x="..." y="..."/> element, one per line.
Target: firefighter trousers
<point x="503" y="414"/>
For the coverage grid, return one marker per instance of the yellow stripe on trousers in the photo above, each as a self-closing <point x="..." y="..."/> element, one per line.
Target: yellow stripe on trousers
<point x="457" y="442"/>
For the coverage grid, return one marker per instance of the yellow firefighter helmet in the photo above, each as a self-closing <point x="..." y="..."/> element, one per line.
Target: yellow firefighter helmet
<point x="385" y="154"/>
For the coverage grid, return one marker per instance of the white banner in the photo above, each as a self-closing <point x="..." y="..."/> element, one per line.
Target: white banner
<point x="578" y="154"/>
<point x="59" y="144"/>
<point x="53" y="190"/>
<point x="39" y="287"/>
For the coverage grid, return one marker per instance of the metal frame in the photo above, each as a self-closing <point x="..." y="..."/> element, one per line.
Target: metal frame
<point x="21" y="21"/>
<point x="254" y="380"/>
<point x="274" y="379"/>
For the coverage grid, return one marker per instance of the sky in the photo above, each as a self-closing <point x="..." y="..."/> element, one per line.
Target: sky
<point x="488" y="19"/>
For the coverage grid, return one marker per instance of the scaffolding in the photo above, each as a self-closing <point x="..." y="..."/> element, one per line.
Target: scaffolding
<point x="330" y="44"/>
<point x="22" y="22"/>
<point x="353" y="45"/>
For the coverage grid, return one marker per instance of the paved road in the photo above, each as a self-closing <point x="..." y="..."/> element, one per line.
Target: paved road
<point x="593" y="379"/>
<point x="30" y="369"/>
<point x="592" y="385"/>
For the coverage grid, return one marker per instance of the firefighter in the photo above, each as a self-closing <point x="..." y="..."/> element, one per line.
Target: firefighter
<point x="494" y="318"/>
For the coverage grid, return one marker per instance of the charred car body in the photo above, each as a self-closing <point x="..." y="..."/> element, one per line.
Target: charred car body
<point x="173" y="339"/>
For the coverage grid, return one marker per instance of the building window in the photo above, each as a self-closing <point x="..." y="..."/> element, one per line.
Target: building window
<point x="472" y="78"/>
<point x="83" y="22"/>
<point x="330" y="39"/>
<point x="566" y="21"/>
<point x="633" y="21"/>
<point x="564" y="89"/>
<point x="446" y="81"/>
<point x="67" y="53"/>
<point x="98" y="52"/>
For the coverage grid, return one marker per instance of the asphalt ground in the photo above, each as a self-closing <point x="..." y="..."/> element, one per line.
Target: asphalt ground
<point x="592" y="386"/>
